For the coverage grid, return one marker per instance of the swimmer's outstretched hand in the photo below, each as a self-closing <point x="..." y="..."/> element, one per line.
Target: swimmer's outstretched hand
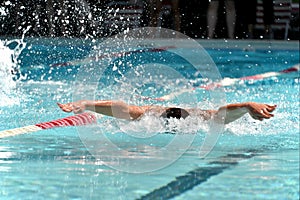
<point x="260" y="111"/>
<point x="76" y="107"/>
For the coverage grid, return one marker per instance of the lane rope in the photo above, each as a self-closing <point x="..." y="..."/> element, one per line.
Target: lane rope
<point x="76" y="120"/>
<point x="229" y="82"/>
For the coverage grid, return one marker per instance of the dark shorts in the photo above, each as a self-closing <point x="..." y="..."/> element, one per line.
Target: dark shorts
<point x="175" y="113"/>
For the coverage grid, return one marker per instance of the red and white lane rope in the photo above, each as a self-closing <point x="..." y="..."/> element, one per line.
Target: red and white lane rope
<point x="76" y="120"/>
<point x="231" y="81"/>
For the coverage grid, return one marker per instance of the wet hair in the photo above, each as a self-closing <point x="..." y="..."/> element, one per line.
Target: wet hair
<point x="175" y="113"/>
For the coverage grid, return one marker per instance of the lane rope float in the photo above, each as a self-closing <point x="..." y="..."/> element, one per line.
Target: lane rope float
<point x="229" y="82"/>
<point x="76" y="120"/>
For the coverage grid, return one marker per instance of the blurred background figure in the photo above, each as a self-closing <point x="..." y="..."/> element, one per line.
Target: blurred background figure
<point x="212" y="17"/>
<point x="268" y="18"/>
<point x="255" y="18"/>
<point x="263" y="19"/>
<point x="159" y="7"/>
<point x="246" y="13"/>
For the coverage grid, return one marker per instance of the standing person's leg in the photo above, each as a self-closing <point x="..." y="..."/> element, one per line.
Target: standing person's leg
<point x="175" y="10"/>
<point x="62" y="17"/>
<point x="212" y="17"/>
<point x="50" y="18"/>
<point x="268" y="16"/>
<point x="155" y="8"/>
<point x="230" y="17"/>
<point x="245" y="18"/>
<point x="251" y="17"/>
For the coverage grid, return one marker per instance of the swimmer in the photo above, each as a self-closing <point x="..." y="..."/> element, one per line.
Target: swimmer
<point x="121" y="110"/>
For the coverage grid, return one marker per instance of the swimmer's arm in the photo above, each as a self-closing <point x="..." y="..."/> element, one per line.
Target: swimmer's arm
<point x="232" y="112"/>
<point x="118" y="109"/>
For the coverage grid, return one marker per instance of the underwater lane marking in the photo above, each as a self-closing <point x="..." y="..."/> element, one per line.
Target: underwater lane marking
<point x="117" y="54"/>
<point x="76" y="120"/>
<point x="195" y="177"/>
<point x="229" y="82"/>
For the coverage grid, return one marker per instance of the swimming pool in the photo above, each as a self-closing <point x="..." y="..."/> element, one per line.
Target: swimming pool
<point x="251" y="160"/>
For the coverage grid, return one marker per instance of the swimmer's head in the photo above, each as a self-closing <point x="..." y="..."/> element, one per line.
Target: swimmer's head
<point x="175" y="113"/>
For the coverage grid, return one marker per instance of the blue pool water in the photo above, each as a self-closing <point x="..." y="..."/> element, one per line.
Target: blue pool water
<point x="251" y="160"/>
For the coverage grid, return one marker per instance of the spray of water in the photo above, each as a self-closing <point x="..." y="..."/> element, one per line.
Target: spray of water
<point x="9" y="70"/>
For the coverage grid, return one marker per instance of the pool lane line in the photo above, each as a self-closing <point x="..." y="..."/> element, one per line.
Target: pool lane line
<point x="228" y="82"/>
<point x="76" y="120"/>
<point x="117" y="54"/>
<point x="195" y="177"/>
<point x="232" y="81"/>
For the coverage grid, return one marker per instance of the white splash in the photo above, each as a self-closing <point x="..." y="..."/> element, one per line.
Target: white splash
<point x="8" y="67"/>
<point x="149" y="126"/>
